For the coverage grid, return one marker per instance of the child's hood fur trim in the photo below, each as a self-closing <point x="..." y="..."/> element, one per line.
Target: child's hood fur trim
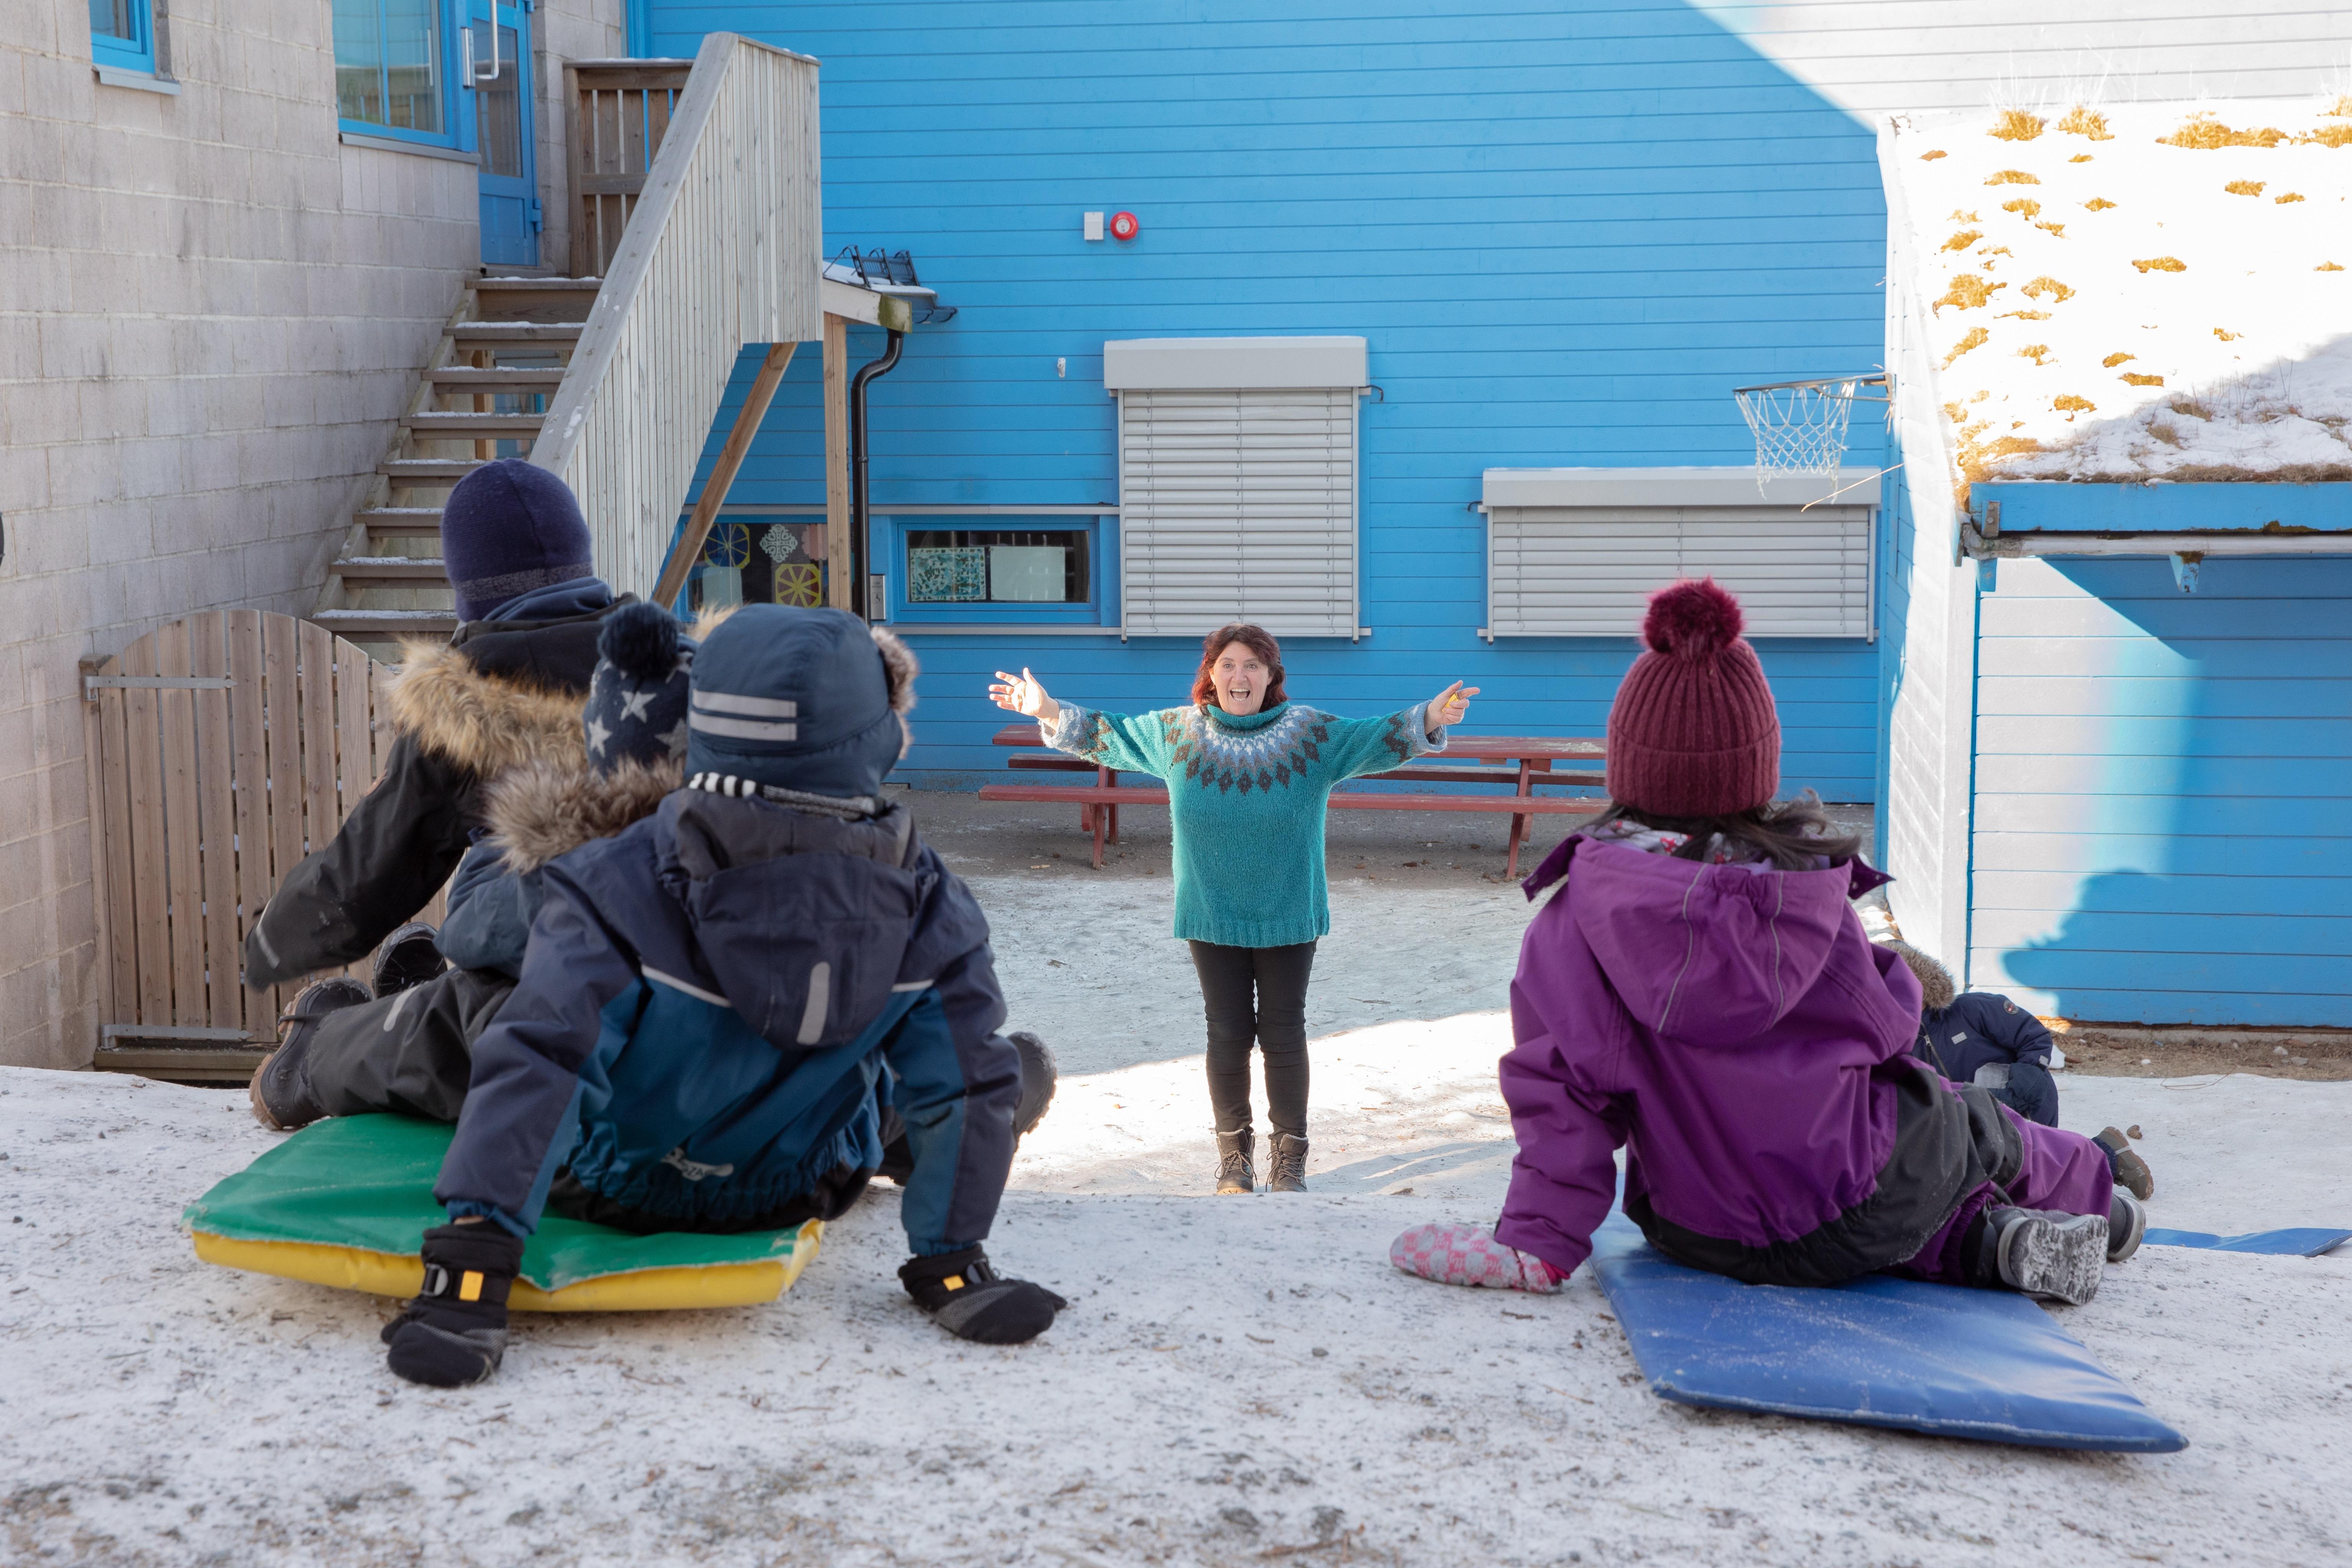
<point x="544" y="808"/>
<point x="478" y="721"/>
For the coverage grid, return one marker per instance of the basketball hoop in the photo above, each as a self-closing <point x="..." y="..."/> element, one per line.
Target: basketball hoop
<point x="1800" y="425"/>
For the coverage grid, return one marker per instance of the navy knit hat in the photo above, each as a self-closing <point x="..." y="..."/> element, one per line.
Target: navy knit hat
<point x="799" y="699"/>
<point x="507" y="528"/>
<point x="637" y="699"/>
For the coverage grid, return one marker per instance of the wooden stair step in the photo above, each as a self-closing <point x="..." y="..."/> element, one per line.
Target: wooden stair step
<point x="535" y="299"/>
<point x="516" y="331"/>
<point x="358" y="623"/>
<point x="427" y="470"/>
<point x="392" y="569"/>
<point x="499" y="378"/>
<point x="400" y="521"/>
<point x="485" y="427"/>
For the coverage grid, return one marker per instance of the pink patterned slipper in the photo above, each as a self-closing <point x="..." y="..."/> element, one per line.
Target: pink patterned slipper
<point x="1465" y="1255"/>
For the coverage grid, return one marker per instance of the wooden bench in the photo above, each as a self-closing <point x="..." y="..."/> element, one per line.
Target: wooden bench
<point x="1526" y="763"/>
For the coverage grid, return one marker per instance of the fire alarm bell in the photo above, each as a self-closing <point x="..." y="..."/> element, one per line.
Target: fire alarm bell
<point x="1124" y="225"/>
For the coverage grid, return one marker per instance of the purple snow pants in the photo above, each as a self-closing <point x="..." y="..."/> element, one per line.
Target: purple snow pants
<point x="2063" y="1171"/>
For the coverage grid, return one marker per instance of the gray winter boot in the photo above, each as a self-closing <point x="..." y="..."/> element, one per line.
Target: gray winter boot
<point x="1234" y="1172"/>
<point x="1289" y="1171"/>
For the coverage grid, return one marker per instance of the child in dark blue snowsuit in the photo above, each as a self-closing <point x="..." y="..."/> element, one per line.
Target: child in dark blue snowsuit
<point x="725" y="1008"/>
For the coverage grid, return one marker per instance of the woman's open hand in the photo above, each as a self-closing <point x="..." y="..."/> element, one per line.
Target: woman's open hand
<point x="1448" y="706"/>
<point x="1025" y="693"/>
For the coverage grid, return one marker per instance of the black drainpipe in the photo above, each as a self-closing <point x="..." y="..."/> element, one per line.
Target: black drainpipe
<point x="858" y="529"/>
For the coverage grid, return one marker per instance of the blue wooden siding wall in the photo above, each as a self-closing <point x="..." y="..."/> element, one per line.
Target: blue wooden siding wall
<point x="2162" y="828"/>
<point x="1567" y="230"/>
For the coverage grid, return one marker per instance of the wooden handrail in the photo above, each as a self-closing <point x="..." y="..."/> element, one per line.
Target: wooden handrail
<point x="721" y="249"/>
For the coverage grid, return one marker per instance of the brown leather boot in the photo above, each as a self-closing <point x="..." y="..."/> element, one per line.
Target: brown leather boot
<point x="1289" y="1173"/>
<point x="1234" y="1172"/>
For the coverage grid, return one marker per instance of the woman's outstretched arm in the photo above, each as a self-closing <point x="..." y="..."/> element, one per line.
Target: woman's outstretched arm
<point x="1141" y="743"/>
<point x="1359" y="746"/>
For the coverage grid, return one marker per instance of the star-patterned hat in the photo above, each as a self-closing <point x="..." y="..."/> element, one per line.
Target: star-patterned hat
<point x="636" y="702"/>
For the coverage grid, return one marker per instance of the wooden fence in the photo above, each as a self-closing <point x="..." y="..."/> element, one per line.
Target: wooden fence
<point x="223" y="749"/>
<point x="620" y="110"/>
<point x="721" y="249"/>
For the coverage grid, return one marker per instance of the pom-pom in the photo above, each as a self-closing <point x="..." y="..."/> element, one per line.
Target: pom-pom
<point x="640" y="641"/>
<point x="1693" y="617"/>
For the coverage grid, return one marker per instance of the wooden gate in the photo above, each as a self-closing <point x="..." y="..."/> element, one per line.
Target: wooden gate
<point x="223" y="749"/>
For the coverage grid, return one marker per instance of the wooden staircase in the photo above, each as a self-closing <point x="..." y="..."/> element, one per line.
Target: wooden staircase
<point x="482" y="396"/>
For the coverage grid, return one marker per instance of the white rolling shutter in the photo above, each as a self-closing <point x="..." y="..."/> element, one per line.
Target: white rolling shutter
<point x="1588" y="570"/>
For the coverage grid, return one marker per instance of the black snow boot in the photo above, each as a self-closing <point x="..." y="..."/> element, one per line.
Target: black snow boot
<point x="2130" y="1170"/>
<point x="1288" y="1174"/>
<point x="1038" y="1078"/>
<point x="965" y="1295"/>
<point x="455" y="1330"/>
<point x="1234" y="1172"/>
<point x="2126" y="1223"/>
<point x="2036" y="1252"/>
<point x="281" y="1090"/>
<point x="408" y="957"/>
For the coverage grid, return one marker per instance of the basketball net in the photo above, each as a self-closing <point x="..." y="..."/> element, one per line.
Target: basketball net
<point x="1800" y="425"/>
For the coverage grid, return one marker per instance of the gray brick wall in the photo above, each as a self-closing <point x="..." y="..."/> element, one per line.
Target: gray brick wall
<point x="212" y="315"/>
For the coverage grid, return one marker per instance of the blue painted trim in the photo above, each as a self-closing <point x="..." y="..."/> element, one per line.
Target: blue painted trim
<point x="640" y="28"/>
<point x="135" y="53"/>
<point x="2052" y="507"/>
<point x="460" y="135"/>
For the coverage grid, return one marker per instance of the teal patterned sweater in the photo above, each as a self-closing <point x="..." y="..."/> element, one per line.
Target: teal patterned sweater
<point x="1246" y="796"/>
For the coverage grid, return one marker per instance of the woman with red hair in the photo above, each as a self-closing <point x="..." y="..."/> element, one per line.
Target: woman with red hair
<point x="1248" y="771"/>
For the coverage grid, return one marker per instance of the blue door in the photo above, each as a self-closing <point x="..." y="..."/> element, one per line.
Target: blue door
<point x="498" y="70"/>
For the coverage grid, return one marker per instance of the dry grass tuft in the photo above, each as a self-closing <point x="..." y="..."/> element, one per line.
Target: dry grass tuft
<point x="2192" y="407"/>
<point x="2090" y="123"/>
<point x="2026" y="206"/>
<point x="2055" y="230"/>
<point x="2068" y="403"/>
<point x="2022" y="316"/>
<point x="2037" y="352"/>
<point x="1963" y="240"/>
<point x="2058" y="292"/>
<point x="1959" y="216"/>
<point x="2016" y="125"/>
<point x="2135" y="379"/>
<point x="2097" y="205"/>
<point x="2116" y="359"/>
<point x="2244" y="187"/>
<point x="2341" y="109"/>
<point x="2165" y="433"/>
<point x="1969" y="292"/>
<point x="2227" y="337"/>
<point x="2013" y="177"/>
<point x="1977" y="458"/>
<point x="1931" y="157"/>
<point x="2162" y="264"/>
<point x="2080" y="158"/>
<point x="2328" y="136"/>
<point x="2327" y="267"/>
<point x="2205" y="134"/>
<point x="1975" y="340"/>
<point x="1954" y="412"/>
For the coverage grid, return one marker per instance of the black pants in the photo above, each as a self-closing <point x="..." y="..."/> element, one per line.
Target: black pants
<point x="412" y="1052"/>
<point x="1256" y="994"/>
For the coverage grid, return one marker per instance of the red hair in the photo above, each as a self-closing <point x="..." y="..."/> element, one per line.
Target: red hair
<point x="1259" y="641"/>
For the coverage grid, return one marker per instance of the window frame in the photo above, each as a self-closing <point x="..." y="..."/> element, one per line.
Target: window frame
<point x="897" y="530"/>
<point x="132" y="54"/>
<point x="458" y="135"/>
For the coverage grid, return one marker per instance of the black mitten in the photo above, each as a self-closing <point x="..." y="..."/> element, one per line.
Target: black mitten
<point x="455" y="1331"/>
<point x="965" y="1295"/>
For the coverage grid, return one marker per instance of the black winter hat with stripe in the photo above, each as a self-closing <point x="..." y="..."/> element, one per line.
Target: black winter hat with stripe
<point x="809" y="700"/>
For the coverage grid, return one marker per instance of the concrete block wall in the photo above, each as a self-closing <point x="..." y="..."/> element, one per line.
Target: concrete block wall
<point x="565" y="30"/>
<point x="212" y="315"/>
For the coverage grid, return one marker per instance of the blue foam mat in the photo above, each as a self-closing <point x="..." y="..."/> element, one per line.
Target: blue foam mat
<point x="2303" y="1243"/>
<point x="1880" y="1352"/>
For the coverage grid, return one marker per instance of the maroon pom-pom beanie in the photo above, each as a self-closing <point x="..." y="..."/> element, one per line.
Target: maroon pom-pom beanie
<point x="1693" y="731"/>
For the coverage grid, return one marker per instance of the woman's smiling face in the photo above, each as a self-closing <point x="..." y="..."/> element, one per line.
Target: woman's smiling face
<point x="1241" y="677"/>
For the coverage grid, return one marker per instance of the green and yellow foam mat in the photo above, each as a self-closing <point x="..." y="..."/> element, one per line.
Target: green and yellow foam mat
<point x="346" y="1202"/>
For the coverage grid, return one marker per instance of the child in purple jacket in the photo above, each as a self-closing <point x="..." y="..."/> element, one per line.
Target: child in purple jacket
<point x="1700" y="993"/>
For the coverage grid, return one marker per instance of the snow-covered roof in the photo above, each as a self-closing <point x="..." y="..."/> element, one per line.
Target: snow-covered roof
<point x="2149" y="290"/>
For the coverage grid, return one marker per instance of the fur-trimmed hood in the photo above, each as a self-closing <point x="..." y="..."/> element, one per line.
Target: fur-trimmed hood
<point x="543" y="809"/>
<point x="479" y="721"/>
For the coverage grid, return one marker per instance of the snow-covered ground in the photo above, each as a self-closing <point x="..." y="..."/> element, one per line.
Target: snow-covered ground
<point x="1238" y="1380"/>
<point x="2110" y="305"/>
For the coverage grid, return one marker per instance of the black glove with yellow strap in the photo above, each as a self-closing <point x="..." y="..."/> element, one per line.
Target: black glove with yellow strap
<point x="455" y="1330"/>
<point x="965" y="1295"/>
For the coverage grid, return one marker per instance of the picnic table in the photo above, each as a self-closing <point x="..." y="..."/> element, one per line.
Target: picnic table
<point x="1521" y="762"/>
